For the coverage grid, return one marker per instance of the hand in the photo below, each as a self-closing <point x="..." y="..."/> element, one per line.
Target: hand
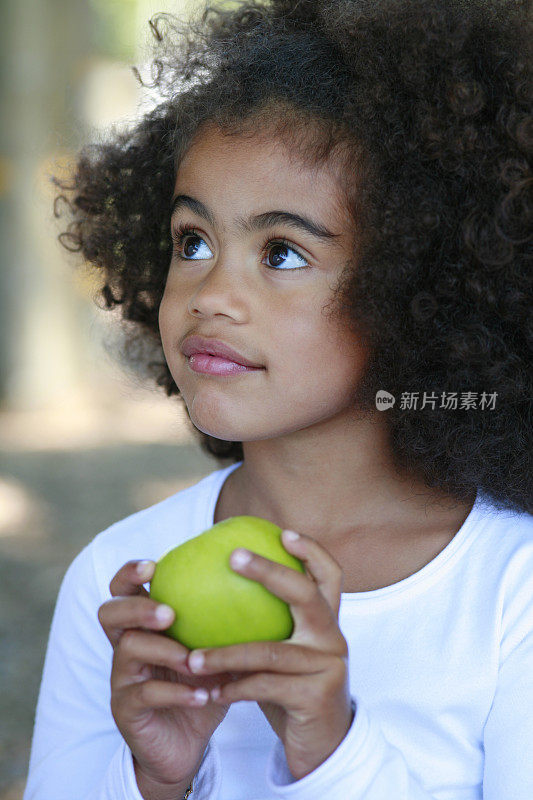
<point x="152" y="689"/>
<point x="301" y="684"/>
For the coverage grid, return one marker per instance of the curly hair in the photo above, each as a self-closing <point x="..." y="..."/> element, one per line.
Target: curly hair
<point x="430" y="103"/>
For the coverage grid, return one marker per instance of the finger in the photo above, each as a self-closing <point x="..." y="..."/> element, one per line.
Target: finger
<point x="283" y="691"/>
<point x="130" y="578"/>
<point x="137" y="698"/>
<point x="323" y="568"/>
<point x="139" y="649"/>
<point x="253" y="656"/>
<point x="313" y="617"/>
<point x="120" y="613"/>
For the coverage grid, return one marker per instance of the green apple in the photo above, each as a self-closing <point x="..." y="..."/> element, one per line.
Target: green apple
<point x="214" y="605"/>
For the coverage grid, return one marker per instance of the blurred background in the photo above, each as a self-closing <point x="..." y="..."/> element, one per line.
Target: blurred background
<point x="83" y="441"/>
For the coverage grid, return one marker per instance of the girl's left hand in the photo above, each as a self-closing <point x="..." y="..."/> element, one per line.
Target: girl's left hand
<point x="301" y="684"/>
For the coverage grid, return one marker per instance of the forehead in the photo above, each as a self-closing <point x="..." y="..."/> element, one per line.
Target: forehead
<point x="260" y="169"/>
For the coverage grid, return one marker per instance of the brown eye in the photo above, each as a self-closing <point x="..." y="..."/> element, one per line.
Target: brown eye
<point x="187" y="243"/>
<point x="189" y="248"/>
<point x="277" y="257"/>
<point x="279" y="254"/>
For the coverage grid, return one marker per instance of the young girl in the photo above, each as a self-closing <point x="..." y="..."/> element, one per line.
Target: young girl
<point x="322" y="233"/>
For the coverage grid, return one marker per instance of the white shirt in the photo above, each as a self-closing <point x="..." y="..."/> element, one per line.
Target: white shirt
<point x="440" y="669"/>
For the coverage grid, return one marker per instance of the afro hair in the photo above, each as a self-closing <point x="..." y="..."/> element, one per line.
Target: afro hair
<point x="430" y="103"/>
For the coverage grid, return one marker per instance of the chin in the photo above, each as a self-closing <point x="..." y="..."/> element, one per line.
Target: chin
<point x="226" y="434"/>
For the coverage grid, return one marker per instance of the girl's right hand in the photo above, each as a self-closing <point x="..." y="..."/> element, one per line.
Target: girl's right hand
<point x="152" y="689"/>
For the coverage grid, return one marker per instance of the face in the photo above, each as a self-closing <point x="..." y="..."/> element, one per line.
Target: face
<point x="261" y="288"/>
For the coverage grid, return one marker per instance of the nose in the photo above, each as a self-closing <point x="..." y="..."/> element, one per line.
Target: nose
<point x="222" y="291"/>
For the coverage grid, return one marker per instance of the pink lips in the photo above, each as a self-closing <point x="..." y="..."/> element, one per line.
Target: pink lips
<point x="219" y="355"/>
<point x="214" y="365"/>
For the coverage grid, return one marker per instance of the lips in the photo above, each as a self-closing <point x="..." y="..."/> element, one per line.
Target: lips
<point x="215" y="347"/>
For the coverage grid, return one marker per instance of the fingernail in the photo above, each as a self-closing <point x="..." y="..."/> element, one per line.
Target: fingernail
<point x="164" y="614"/>
<point x="240" y="557"/>
<point x="291" y="536"/>
<point x="196" y="660"/>
<point x="201" y="696"/>
<point x="144" y="568"/>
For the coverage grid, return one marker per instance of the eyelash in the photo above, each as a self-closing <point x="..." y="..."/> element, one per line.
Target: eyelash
<point x="183" y="230"/>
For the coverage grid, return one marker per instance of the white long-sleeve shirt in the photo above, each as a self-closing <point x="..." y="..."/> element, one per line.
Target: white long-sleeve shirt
<point x="440" y="669"/>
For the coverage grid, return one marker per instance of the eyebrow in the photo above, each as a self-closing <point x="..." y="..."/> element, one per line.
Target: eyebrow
<point x="258" y="222"/>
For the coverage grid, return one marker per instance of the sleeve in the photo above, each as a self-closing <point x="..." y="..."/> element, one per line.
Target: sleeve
<point x="363" y="767"/>
<point x="508" y="735"/>
<point x="77" y="750"/>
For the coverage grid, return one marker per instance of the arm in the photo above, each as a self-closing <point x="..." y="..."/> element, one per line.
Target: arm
<point x="508" y="734"/>
<point x="365" y="766"/>
<point x="77" y="750"/>
<point x="307" y="762"/>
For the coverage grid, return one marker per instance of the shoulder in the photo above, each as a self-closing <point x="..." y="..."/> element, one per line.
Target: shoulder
<point x="149" y="533"/>
<point x="507" y="535"/>
<point x="503" y="542"/>
<point x="506" y="542"/>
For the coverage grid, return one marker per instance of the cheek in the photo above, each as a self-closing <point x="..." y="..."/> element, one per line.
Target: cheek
<point x="165" y="316"/>
<point x="316" y="362"/>
<point x="312" y="339"/>
<point x="343" y="357"/>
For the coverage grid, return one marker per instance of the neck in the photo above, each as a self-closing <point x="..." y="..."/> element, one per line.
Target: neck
<point x="332" y="486"/>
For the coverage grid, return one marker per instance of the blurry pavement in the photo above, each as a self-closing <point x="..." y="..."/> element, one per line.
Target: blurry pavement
<point x="65" y="475"/>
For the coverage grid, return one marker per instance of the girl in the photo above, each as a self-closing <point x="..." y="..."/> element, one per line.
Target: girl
<point x="322" y="231"/>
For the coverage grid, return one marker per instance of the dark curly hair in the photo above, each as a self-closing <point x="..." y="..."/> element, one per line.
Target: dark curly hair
<point x="430" y="103"/>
